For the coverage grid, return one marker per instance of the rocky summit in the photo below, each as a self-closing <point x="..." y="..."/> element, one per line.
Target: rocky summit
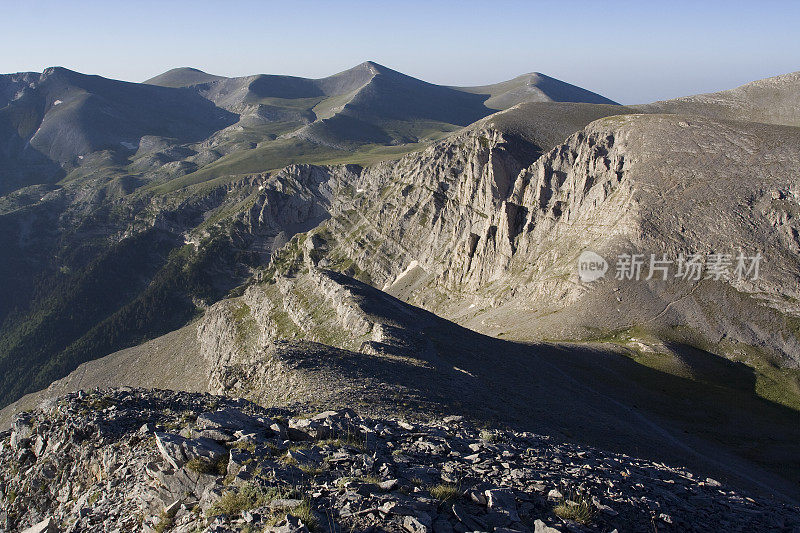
<point x="135" y="459"/>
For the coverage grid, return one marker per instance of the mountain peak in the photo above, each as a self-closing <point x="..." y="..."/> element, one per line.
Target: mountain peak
<point x="183" y="77"/>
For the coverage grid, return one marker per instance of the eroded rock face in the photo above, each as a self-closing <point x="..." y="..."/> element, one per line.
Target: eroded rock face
<point x="472" y="230"/>
<point x="105" y="467"/>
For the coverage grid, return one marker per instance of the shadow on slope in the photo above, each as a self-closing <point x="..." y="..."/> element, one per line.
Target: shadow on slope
<point x="713" y="421"/>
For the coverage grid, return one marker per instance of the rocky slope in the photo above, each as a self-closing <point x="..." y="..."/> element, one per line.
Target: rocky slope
<point x="316" y="339"/>
<point x="61" y="241"/>
<point x="773" y="100"/>
<point x="156" y="461"/>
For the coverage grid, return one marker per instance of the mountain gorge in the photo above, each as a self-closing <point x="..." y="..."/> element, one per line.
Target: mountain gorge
<point x="376" y="242"/>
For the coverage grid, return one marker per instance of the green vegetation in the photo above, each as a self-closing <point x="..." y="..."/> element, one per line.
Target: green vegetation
<point x="204" y="466"/>
<point x="140" y="288"/>
<point x="771" y="382"/>
<point x="244" y="323"/>
<point x="445" y="492"/>
<point x="249" y="496"/>
<point x="368" y="480"/>
<point x="246" y="497"/>
<point x="489" y="435"/>
<point x="314" y="470"/>
<point x="165" y="521"/>
<point x="353" y="440"/>
<point x="577" y="507"/>
<point x="274" y="155"/>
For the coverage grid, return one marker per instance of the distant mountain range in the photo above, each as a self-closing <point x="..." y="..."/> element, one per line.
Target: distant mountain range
<point x="52" y="123"/>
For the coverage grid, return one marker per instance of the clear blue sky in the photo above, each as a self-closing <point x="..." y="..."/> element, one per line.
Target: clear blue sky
<point x="630" y="51"/>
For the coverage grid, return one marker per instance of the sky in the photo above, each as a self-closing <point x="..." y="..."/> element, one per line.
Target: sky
<point x="629" y="51"/>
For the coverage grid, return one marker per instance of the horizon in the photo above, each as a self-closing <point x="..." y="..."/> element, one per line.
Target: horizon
<point x="626" y="52"/>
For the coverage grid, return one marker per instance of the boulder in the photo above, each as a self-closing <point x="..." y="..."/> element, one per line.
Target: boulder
<point x="177" y="450"/>
<point x="541" y="527"/>
<point x="417" y="524"/>
<point x="47" y="525"/>
<point x="502" y="502"/>
<point x="231" y="420"/>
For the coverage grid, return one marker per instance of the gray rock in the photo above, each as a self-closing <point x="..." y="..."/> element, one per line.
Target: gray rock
<point x="47" y="525"/>
<point x="177" y="450"/>
<point x="541" y="527"/>
<point x="290" y="525"/>
<point x="229" y="419"/>
<point x="555" y="495"/>
<point x="388" y="485"/>
<point x="420" y="523"/>
<point x="472" y="523"/>
<point x="286" y="504"/>
<point x="310" y="455"/>
<point x="216" y="435"/>
<point x="502" y="501"/>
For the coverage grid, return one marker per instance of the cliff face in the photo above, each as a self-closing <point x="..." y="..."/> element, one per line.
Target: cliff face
<point x="468" y="229"/>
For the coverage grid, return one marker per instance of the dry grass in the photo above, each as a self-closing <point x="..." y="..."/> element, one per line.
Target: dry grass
<point x="204" y="466"/>
<point x="445" y="492"/>
<point x="577" y="507"/>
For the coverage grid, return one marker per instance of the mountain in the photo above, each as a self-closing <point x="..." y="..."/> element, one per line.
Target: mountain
<point x="183" y="77"/>
<point x="534" y="87"/>
<point x="299" y="255"/>
<point x="60" y="117"/>
<point x="370" y="103"/>
<point x="107" y="183"/>
<point x="185" y="122"/>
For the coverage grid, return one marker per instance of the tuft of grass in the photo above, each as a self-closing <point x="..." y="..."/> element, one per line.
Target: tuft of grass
<point x="246" y="497"/>
<point x="577" y="507"/>
<point x="234" y="502"/>
<point x="204" y="466"/>
<point x="288" y="460"/>
<point x="314" y="470"/>
<point x="305" y="513"/>
<point x="351" y="440"/>
<point x="445" y="492"/>
<point x="247" y="446"/>
<point x="165" y="521"/>
<point x="489" y="436"/>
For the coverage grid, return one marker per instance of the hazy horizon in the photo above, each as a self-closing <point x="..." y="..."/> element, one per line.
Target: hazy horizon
<point x="628" y="52"/>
